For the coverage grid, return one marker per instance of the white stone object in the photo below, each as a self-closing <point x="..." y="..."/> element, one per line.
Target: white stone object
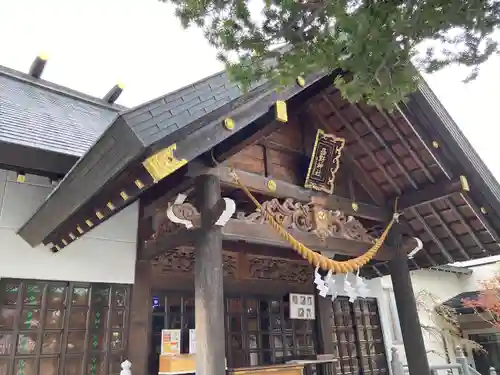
<point x="126" y="366"/>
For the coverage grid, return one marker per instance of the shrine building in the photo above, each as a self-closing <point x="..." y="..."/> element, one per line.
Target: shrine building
<point x="196" y="232"/>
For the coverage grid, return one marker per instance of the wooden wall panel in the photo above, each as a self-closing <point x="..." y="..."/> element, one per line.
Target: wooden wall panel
<point x="250" y="159"/>
<point x="285" y="166"/>
<point x="289" y="135"/>
<point x="279" y="155"/>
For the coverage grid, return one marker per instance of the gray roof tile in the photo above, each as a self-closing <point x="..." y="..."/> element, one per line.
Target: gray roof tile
<point x="39" y="114"/>
<point x="160" y="117"/>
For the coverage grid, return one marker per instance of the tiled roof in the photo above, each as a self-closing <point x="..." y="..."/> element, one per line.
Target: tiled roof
<point x="160" y="117"/>
<point x="39" y="114"/>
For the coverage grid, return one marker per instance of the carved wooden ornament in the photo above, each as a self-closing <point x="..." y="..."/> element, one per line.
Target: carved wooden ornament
<point x="308" y="218"/>
<point x="311" y="218"/>
<point x="186" y="214"/>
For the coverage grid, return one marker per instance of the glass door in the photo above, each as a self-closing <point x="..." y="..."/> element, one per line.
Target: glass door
<point x="169" y="311"/>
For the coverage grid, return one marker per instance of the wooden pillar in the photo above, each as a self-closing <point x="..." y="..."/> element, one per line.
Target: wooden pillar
<point x="413" y="339"/>
<point x="140" y="319"/>
<point x="324" y="324"/>
<point x="208" y="279"/>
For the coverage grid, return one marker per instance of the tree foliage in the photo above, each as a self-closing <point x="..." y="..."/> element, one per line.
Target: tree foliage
<point x="487" y="304"/>
<point x="375" y="40"/>
<point x="442" y="322"/>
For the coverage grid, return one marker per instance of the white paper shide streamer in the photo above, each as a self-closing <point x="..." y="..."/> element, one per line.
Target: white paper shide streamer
<point x="339" y="285"/>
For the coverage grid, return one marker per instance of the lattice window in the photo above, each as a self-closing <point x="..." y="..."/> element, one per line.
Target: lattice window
<point x="49" y="328"/>
<point x="357" y="337"/>
<point x="260" y="332"/>
<point x="369" y="337"/>
<point x="344" y="338"/>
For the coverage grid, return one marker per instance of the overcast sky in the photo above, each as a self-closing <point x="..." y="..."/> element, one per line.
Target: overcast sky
<point x="93" y="44"/>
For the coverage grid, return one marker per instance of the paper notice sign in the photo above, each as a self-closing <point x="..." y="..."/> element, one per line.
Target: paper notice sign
<point x="170" y="341"/>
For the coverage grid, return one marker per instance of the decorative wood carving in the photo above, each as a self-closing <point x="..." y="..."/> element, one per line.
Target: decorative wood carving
<point x="163" y="225"/>
<point x="186" y="211"/>
<point x="230" y="261"/>
<point x="309" y="218"/>
<point x="175" y="260"/>
<point x="182" y="260"/>
<point x="266" y="268"/>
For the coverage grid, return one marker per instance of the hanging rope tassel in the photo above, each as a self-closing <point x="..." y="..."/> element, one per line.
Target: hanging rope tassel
<point x="314" y="258"/>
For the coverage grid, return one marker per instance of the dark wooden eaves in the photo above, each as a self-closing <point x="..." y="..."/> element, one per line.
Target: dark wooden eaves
<point x="434" y="118"/>
<point x="111" y="154"/>
<point x="193" y="130"/>
<point x="36" y="161"/>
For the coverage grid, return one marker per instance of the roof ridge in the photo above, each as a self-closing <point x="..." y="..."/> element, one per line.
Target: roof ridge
<point x="58" y="89"/>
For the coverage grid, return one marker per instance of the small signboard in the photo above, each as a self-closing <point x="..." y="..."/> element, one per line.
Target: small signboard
<point x="302" y="306"/>
<point x="192" y="341"/>
<point x="324" y="162"/>
<point x="170" y="341"/>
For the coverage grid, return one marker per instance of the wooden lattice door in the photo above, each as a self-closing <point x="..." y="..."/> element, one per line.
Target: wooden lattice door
<point x="357" y="337"/>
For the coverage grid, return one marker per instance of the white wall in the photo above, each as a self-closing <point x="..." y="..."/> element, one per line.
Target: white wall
<point x="105" y="254"/>
<point x="443" y="285"/>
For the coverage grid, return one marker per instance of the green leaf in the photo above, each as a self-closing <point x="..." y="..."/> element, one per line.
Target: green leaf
<point x="373" y="40"/>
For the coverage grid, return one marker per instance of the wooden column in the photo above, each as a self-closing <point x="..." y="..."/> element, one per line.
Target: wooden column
<point x="140" y="319"/>
<point x="413" y="340"/>
<point x="324" y="324"/>
<point x="208" y="279"/>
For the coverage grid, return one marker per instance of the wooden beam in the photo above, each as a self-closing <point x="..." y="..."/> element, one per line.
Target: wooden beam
<point x="430" y="193"/>
<point x="169" y="241"/>
<point x="258" y="184"/>
<point x="35" y="161"/>
<point x="264" y="235"/>
<point x="208" y="284"/>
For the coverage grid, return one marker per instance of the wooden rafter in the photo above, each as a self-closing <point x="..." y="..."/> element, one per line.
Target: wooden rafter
<point x="435" y="238"/>
<point x="467" y="226"/>
<point x="449" y="185"/>
<point x="450" y="233"/>
<point x="481" y="216"/>
<point x="430" y="193"/>
<point x="438" y="154"/>
<point x="365" y="147"/>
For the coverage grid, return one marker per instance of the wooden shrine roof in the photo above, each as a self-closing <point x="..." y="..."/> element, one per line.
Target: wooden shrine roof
<point x="45" y="127"/>
<point x="416" y="152"/>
